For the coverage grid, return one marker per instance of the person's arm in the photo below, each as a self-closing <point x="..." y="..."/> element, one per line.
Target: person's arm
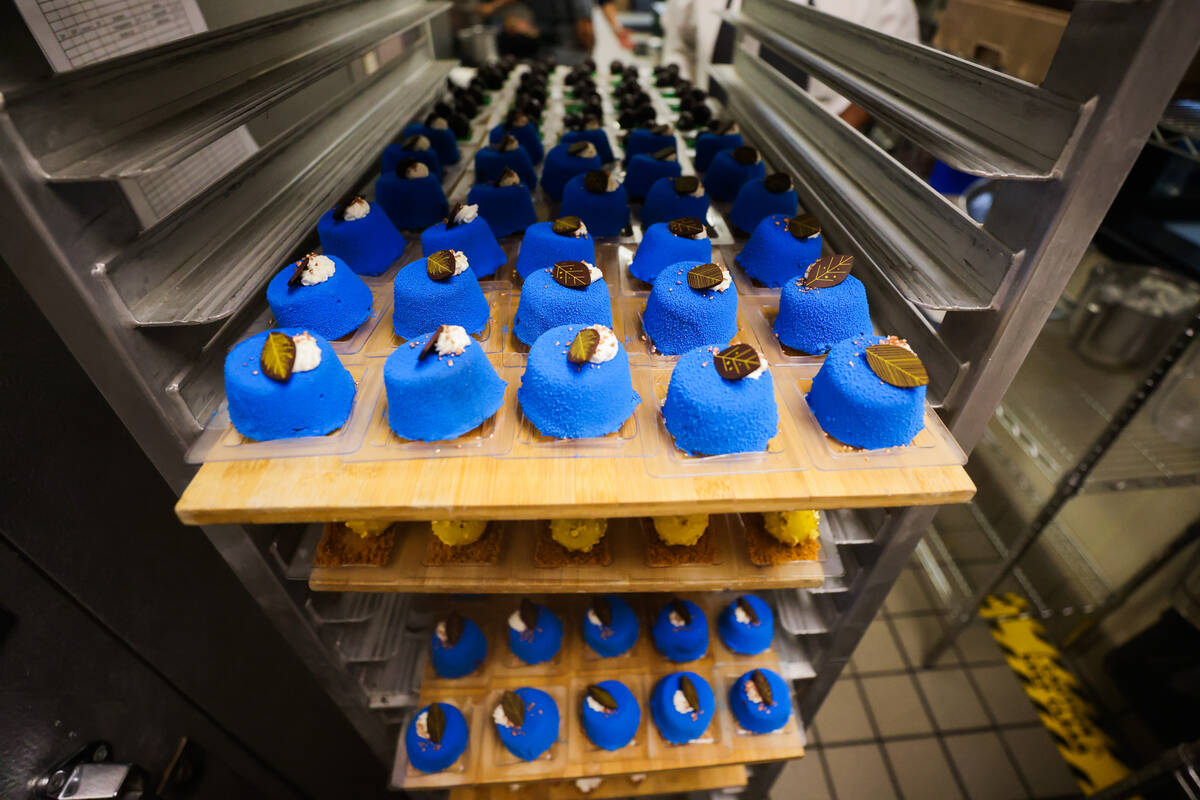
<point x="489" y="7"/>
<point x="624" y="37"/>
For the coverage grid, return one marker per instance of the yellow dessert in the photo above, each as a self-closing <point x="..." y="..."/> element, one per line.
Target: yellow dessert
<point x="458" y="532"/>
<point x="683" y="530"/>
<point x="792" y="527"/>
<point x="368" y="527"/>
<point x="578" y="534"/>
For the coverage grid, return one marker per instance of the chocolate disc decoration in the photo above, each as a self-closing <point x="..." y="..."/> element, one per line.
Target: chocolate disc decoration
<point x="747" y="609"/>
<point x="665" y="154"/>
<point x="745" y="155"/>
<point x="572" y="274"/>
<point x="431" y="343"/>
<point x="778" y="183"/>
<point x="297" y="277"/>
<point x="514" y="708"/>
<point x="602" y="696"/>
<point x="567" y="226"/>
<point x="435" y="722"/>
<point x="689" y="692"/>
<point x="736" y="361"/>
<point x="705" y="276"/>
<point x="529" y="613"/>
<point x="584" y="346"/>
<point x="575" y="148"/>
<point x="278" y="356"/>
<point x="897" y="365"/>
<point x="596" y="181"/>
<point x="454" y="628"/>
<point x="451" y="221"/>
<point x="803" y="227"/>
<point x="686" y="227"/>
<point x="603" y="611"/>
<point x="826" y="272"/>
<point x="440" y="265"/>
<point x="764" y="687"/>
<point x="680" y="608"/>
<point x="686" y="184"/>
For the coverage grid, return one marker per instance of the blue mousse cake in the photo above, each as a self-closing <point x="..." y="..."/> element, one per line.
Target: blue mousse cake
<point x="724" y="137"/>
<point x="440" y="386"/>
<point x="418" y="148"/>
<point x="648" y="140"/>
<point x="436" y="737"/>
<point x="599" y="200"/>
<point x="506" y="204"/>
<point x="458" y="646"/>
<point x="781" y="248"/>
<point x="438" y="290"/>
<point x="610" y="626"/>
<point x="310" y="396"/>
<point x="732" y="169"/>
<point x="721" y="401"/>
<point x="564" y="162"/>
<point x="491" y="161"/>
<point x="822" y="308"/>
<point x="692" y="304"/>
<point x="672" y="198"/>
<point x="759" y="199"/>
<point x="520" y="127"/>
<point x="667" y="243"/>
<point x="569" y="291"/>
<point x="576" y="394"/>
<point x="547" y="243"/>
<point x="681" y="631"/>
<point x="597" y="137"/>
<point x="747" y="625"/>
<point x="534" y="633"/>
<point x="411" y="196"/>
<point x="682" y="706"/>
<point x="611" y="714"/>
<point x="464" y="230"/>
<point x="437" y="130"/>
<point x="361" y="236"/>
<point x="760" y="701"/>
<point x="646" y="168"/>
<point x="857" y="407"/>
<point x="320" y="293"/>
<point x="527" y="721"/>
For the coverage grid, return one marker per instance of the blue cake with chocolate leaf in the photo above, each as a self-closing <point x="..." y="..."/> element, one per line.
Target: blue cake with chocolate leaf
<point x="361" y="235"/>
<point x="320" y="293"/>
<point x="547" y="243"/>
<point x="568" y="291"/>
<point x="468" y="232"/>
<point x="692" y="304"/>
<point x="438" y="290"/>
<point x="721" y="401"/>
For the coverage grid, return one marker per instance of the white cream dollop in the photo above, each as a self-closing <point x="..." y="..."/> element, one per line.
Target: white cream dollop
<point x="418" y="143"/>
<point x="593" y="705"/>
<point x="699" y="191"/>
<point x="637" y="777"/>
<point x="461" y="264"/>
<point x="415" y="170"/>
<point x="595" y="620"/>
<point x="594" y="272"/>
<point x="466" y="214"/>
<point x="317" y="269"/>
<point x="516" y="623"/>
<point x="499" y="717"/>
<point x="613" y="183"/>
<point x="675" y="619"/>
<point x="423" y="725"/>
<point x="681" y="704"/>
<point x="357" y="209"/>
<point x="438" y="124"/>
<point x="726" y="281"/>
<point x="582" y="232"/>
<point x="440" y="632"/>
<point x="752" y="693"/>
<point x="607" y="347"/>
<point x="587" y="151"/>
<point x="587" y="785"/>
<point x="452" y="341"/>
<point x="762" y="367"/>
<point x="308" y="352"/>
<point x="740" y="614"/>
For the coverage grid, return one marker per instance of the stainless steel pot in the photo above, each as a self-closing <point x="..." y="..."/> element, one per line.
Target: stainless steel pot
<point x="477" y="43"/>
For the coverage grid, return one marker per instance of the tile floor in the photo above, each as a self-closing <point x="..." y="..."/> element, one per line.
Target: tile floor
<point x="890" y="729"/>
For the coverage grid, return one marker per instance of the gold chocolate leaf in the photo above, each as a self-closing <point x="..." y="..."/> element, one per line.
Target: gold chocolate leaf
<point x="567" y="226"/>
<point x="514" y="708"/>
<point x="529" y="613"/>
<point x="603" y="611"/>
<point x="435" y="721"/>
<point x="747" y="609"/>
<point x="897" y="365"/>
<point x="572" y="274"/>
<point x="584" y="346"/>
<point x="440" y="265"/>
<point x="278" y="356"/>
<point x="686" y="227"/>
<point x="689" y="692"/>
<point x="454" y="628"/>
<point x="736" y="361"/>
<point x="804" y="226"/>
<point x="764" y="687"/>
<point x="827" y="272"/>
<point x="602" y="696"/>
<point x="705" y="276"/>
<point x="681" y="608"/>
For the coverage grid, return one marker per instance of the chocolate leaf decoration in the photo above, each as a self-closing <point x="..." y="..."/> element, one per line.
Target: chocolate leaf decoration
<point x="435" y="721"/>
<point x="596" y="181"/>
<point x="584" y="346"/>
<point x="803" y="226"/>
<point x="686" y="227"/>
<point x="763" y="685"/>
<point x="723" y="127"/>
<point x="575" y="148"/>
<point x="745" y="155"/>
<point x="778" y="183"/>
<point x="689" y="692"/>
<point x="508" y="177"/>
<point x="567" y="226"/>
<point x="529" y="613"/>
<point x="705" y="276"/>
<point x="747" y="609"/>
<point x="897" y="365"/>
<point x="572" y="274"/>
<point x="507" y="142"/>
<point x="302" y="266"/>
<point x="451" y="221"/>
<point x="431" y="343"/>
<point x="413" y="143"/>
<point x="826" y="272"/>
<point x="514" y="708"/>
<point x="661" y="130"/>
<point x="686" y="184"/>
<point x="603" y="611"/>
<point x="736" y="361"/>
<point x="602" y="696"/>
<point x="440" y="265"/>
<point x="665" y="154"/>
<point x="278" y="356"/>
<point x="680" y="608"/>
<point x="454" y="628"/>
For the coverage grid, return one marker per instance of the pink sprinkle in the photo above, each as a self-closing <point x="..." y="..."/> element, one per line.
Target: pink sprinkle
<point x="255" y="372"/>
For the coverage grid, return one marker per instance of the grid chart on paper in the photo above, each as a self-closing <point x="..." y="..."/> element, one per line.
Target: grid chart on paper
<point x="95" y="30"/>
<point x="167" y="190"/>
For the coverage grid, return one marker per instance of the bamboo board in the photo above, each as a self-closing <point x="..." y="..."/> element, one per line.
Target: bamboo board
<point x="678" y="781"/>
<point x="515" y="573"/>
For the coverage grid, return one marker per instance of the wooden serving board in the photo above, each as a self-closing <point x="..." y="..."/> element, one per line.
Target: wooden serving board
<point x="514" y="572"/>
<point x="678" y="781"/>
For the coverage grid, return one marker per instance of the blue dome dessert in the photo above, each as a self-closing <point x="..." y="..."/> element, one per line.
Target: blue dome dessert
<point x="860" y="407"/>
<point x="534" y="633"/>
<point x="747" y="625"/>
<point x="822" y="308"/>
<point x="466" y="231"/>
<point x="760" y="701"/>
<point x="437" y="130"/>
<point x="547" y="243"/>
<point x="436" y="737"/>
<point x="691" y="304"/>
<point x="709" y="143"/>
<point x="759" y="199"/>
<point x="527" y="721"/>
<point x="520" y="127"/>
<point x="570" y="291"/>
<point x="721" y="401"/>
<point x="438" y="290"/>
<point x="457" y="646"/>
<point x="682" y="706"/>
<point x="564" y="162"/>
<point x="599" y="200"/>
<point x="611" y="714"/>
<point x="411" y="196"/>
<point x="506" y="204"/>
<point x="440" y="386"/>
<point x="667" y="243"/>
<point x="286" y="389"/>
<point x="610" y="626"/>
<point x="672" y="198"/>
<point x="732" y="169"/>
<point x="491" y="161"/>
<point x="577" y="384"/>
<point x="681" y="631"/>
<point x="320" y="293"/>
<point x="646" y="168"/>
<point x="362" y="236"/>
<point x="418" y="148"/>
<point x="781" y="248"/>
<point x="597" y="137"/>
<point x="648" y="140"/>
